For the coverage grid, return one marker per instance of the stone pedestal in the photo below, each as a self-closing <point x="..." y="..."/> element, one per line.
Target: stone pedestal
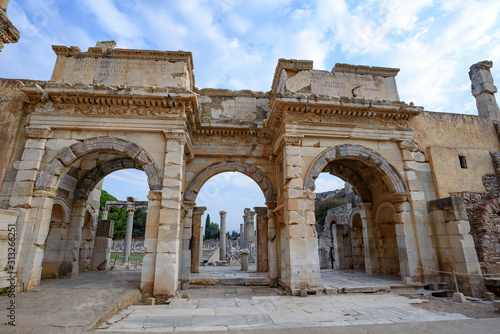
<point x="222" y="250"/>
<point x="197" y="239"/>
<point x="244" y="259"/>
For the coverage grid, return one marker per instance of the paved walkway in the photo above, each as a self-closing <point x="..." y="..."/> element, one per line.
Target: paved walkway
<point x="215" y="309"/>
<point x="68" y="305"/>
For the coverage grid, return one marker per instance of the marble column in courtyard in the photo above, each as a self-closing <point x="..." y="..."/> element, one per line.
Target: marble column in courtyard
<point x="197" y="239"/>
<point x="105" y="212"/>
<point x="249" y="234"/>
<point x="131" y="205"/>
<point x="222" y="235"/>
<point x="128" y="238"/>
<point x="242" y="234"/>
<point x="262" y="239"/>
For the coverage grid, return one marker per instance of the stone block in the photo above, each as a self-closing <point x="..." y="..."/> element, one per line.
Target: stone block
<point x="21" y="189"/>
<point x="59" y="144"/>
<point x="38" y="144"/>
<point x="67" y="156"/>
<point x="496" y="304"/>
<point x="459" y="297"/>
<point x="32" y="155"/>
<point x="26" y="175"/>
<point x="28" y="165"/>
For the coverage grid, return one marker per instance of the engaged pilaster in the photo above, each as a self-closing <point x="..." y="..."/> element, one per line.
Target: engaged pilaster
<point x="262" y="239"/>
<point x="197" y="240"/>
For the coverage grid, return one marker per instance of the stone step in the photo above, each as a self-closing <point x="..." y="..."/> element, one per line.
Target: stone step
<point x="248" y="281"/>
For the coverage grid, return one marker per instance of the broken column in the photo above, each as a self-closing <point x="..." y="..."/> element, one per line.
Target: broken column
<point x="483" y="89"/>
<point x="262" y="239"/>
<point x="105" y="212"/>
<point x="102" y="245"/>
<point x="222" y="256"/>
<point x="197" y="239"/>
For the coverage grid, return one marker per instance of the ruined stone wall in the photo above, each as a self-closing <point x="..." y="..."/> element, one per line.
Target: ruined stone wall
<point x="13" y="113"/>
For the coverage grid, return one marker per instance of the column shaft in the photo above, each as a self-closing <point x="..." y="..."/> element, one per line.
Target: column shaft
<point x="222" y="236"/>
<point x="197" y="239"/>
<point x="128" y="238"/>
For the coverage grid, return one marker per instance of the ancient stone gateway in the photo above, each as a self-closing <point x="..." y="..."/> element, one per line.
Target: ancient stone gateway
<point x="109" y="109"/>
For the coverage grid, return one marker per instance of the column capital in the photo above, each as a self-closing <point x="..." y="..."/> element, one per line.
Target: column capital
<point x="199" y="210"/>
<point x="45" y="192"/>
<point x="260" y="210"/>
<point x="179" y="136"/>
<point x="223" y="213"/>
<point x="130" y="211"/>
<point x="105" y="209"/>
<point x="154" y="195"/>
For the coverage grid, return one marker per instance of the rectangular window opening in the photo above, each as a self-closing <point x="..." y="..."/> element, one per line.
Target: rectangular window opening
<point x="463" y="161"/>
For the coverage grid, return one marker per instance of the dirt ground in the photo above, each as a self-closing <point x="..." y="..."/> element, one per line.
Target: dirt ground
<point x="471" y="309"/>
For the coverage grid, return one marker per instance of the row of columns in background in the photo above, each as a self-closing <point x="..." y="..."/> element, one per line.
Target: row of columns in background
<point x="247" y="237"/>
<point x="131" y="205"/>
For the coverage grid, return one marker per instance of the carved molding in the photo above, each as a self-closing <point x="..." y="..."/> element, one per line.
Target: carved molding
<point x="179" y="136"/>
<point x="40" y="132"/>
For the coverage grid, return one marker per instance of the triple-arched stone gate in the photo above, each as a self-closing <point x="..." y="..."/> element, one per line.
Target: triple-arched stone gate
<point x="110" y="109"/>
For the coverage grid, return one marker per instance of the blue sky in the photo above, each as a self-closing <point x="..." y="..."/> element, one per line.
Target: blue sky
<point x="236" y="44"/>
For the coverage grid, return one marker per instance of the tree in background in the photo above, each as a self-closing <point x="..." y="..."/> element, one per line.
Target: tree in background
<point x="323" y="207"/>
<point x="212" y="230"/>
<point x="120" y="217"/>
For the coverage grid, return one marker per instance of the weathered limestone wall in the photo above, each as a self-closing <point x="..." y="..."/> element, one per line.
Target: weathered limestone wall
<point x="444" y="137"/>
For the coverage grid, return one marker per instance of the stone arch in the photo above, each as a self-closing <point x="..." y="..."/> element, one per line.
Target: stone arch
<point x="58" y="166"/>
<point x="253" y="172"/>
<point x="367" y="156"/>
<point x="385" y="206"/>
<point x="96" y="174"/>
<point x="352" y="216"/>
<point x="65" y="207"/>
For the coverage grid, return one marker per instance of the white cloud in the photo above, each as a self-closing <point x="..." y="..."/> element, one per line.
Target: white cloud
<point x="328" y="182"/>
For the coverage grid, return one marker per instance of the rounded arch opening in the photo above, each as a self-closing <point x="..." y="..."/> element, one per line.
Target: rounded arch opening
<point x="234" y="201"/>
<point x="368" y="240"/>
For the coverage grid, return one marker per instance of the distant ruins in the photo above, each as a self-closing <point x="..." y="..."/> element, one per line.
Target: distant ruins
<point x="427" y="182"/>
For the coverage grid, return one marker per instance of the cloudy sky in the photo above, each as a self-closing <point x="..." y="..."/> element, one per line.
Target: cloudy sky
<point x="236" y="44"/>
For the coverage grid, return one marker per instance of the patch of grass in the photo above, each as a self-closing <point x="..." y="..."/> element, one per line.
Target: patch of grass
<point x="133" y="256"/>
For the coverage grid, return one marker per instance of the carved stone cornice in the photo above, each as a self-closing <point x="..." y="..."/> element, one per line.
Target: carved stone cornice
<point x="39" y="132"/>
<point x="112" y="99"/>
<point x="366" y="70"/>
<point x="385" y="110"/>
<point x="8" y="33"/>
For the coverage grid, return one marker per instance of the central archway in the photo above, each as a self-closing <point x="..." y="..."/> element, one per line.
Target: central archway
<point x="251" y="171"/>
